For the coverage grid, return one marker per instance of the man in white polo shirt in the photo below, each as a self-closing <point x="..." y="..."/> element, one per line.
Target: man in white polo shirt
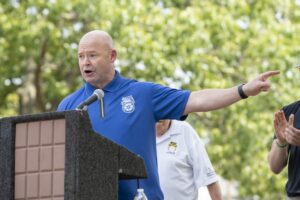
<point x="183" y="163"/>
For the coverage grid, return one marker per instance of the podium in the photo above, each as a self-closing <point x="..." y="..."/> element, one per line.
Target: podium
<point x="57" y="156"/>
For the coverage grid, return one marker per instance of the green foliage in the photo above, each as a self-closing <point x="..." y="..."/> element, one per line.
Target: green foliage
<point x="183" y="43"/>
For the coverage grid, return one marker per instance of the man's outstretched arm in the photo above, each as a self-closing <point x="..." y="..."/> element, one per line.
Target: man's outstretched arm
<point x="212" y="99"/>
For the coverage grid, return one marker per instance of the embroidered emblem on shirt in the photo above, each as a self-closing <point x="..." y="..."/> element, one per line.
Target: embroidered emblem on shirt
<point x="172" y="147"/>
<point x="128" y="104"/>
<point x="209" y="172"/>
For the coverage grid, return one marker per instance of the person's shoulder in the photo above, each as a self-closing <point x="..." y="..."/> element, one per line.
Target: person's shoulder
<point x="145" y="83"/>
<point x="135" y="83"/>
<point x="188" y="134"/>
<point x="148" y="87"/>
<point x="126" y="80"/>
<point x="183" y="127"/>
<point x="183" y="124"/>
<point x="67" y="102"/>
<point x="292" y="106"/>
<point x="138" y="83"/>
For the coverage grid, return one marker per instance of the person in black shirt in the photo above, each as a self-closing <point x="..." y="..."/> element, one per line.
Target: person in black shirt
<point x="285" y="150"/>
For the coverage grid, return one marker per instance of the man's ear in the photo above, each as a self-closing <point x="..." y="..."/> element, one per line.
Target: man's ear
<point x="113" y="55"/>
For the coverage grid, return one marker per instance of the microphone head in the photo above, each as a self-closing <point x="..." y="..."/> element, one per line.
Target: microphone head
<point x="99" y="93"/>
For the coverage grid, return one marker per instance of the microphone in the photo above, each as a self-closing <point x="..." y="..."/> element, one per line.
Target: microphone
<point x="97" y="95"/>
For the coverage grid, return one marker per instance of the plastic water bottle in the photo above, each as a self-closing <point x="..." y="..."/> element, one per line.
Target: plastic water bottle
<point x="140" y="195"/>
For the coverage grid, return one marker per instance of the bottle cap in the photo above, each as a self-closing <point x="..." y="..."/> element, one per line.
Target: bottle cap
<point x="140" y="190"/>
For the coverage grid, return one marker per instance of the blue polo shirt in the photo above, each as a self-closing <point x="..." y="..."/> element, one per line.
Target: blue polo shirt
<point x="131" y="110"/>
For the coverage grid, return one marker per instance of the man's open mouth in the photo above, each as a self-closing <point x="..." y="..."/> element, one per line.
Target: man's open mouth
<point x="88" y="71"/>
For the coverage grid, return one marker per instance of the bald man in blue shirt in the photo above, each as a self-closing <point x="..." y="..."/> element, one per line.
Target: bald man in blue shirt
<point x="132" y="108"/>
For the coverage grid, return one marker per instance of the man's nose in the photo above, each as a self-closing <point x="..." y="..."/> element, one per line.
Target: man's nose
<point x="86" y="60"/>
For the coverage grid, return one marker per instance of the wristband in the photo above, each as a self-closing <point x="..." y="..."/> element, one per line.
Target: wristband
<point x="281" y="146"/>
<point x="241" y="92"/>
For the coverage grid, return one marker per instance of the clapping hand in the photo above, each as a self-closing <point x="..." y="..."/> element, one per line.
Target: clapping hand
<point x="280" y="125"/>
<point x="292" y="135"/>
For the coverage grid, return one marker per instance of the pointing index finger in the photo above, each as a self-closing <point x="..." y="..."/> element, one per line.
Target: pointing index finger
<point x="266" y="75"/>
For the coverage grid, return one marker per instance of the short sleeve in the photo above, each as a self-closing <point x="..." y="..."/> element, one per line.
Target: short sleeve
<point x="203" y="171"/>
<point x="168" y="103"/>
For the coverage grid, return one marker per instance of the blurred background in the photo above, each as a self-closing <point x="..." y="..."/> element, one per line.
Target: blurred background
<point x="188" y="44"/>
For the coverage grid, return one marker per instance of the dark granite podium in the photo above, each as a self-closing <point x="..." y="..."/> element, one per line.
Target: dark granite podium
<point x="58" y="156"/>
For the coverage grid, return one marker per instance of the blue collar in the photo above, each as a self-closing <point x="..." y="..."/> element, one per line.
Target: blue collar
<point x="110" y="87"/>
<point x="115" y="83"/>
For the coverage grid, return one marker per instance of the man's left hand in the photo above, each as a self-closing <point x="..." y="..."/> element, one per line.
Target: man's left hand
<point x="259" y="84"/>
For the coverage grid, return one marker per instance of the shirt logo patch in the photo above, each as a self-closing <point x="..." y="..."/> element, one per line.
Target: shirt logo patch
<point x="128" y="105"/>
<point x="172" y="147"/>
<point x="209" y="172"/>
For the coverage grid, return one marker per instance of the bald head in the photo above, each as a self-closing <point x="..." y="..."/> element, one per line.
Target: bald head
<point x="96" y="57"/>
<point x="98" y="36"/>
